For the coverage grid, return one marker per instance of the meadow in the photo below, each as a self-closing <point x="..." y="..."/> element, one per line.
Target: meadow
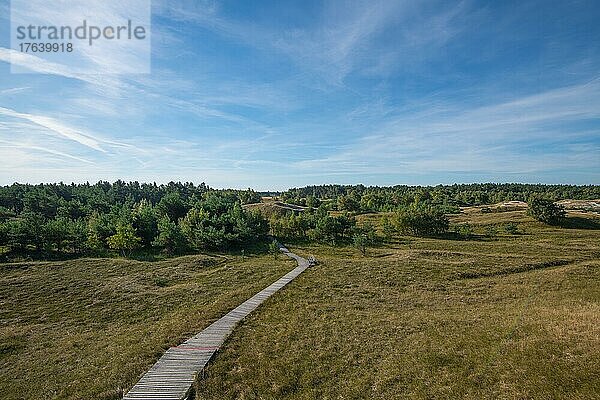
<point x="494" y="316"/>
<point x="491" y="314"/>
<point x="89" y="328"/>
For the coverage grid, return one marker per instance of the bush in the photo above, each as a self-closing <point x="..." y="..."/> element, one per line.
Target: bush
<point x="274" y="249"/>
<point x="365" y="236"/>
<point x="491" y="231"/>
<point x="511" y="228"/>
<point x="327" y="230"/>
<point x="422" y="221"/>
<point x="348" y="203"/>
<point x="465" y="230"/>
<point x="332" y="230"/>
<point x="546" y="211"/>
<point x="221" y="224"/>
<point x="387" y="228"/>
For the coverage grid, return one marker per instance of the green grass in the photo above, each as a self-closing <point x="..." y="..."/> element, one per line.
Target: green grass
<point x="502" y="317"/>
<point x="88" y="328"/>
<point x="507" y="316"/>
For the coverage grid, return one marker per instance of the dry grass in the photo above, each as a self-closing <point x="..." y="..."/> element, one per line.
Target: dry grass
<point x="87" y="329"/>
<point x="506" y="317"/>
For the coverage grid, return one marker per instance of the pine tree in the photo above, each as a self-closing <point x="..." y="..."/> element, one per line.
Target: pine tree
<point x="124" y="240"/>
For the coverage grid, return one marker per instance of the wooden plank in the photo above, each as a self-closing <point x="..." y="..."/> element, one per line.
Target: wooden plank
<point x="172" y="376"/>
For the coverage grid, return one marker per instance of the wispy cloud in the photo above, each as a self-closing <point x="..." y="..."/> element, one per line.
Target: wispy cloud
<point x="34" y="64"/>
<point x="115" y="88"/>
<point x="374" y="91"/>
<point x="58" y="128"/>
<point x="13" y="90"/>
<point x="103" y="84"/>
<point x="27" y="147"/>
<point x="496" y="138"/>
<point x="346" y="37"/>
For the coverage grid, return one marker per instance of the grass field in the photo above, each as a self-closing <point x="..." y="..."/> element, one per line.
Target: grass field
<point x="496" y="316"/>
<point x="87" y="329"/>
<point x="502" y="317"/>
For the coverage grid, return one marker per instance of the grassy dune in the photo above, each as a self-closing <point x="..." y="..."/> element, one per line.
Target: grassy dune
<point x="508" y="317"/>
<point x="86" y="329"/>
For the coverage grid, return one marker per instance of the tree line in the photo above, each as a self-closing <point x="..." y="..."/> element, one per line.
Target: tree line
<point x="360" y="198"/>
<point x="124" y="217"/>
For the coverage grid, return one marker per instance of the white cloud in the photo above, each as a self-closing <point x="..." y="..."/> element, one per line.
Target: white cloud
<point x="345" y="37"/>
<point x="489" y="138"/>
<point x="58" y="128"/>
<point x="29" y="148"/>
<point x="308" y="121"/>
<point x="104" y="56"/>
<point x="13" y="90"/>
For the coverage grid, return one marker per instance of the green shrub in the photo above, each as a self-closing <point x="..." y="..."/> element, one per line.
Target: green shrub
<point x="546" y="211"/>
<point x="274" y="249"/>
<point x="421" y="221"/>
<point x="364" y="237"/>
<point x="387" y="228"/>
<point x="332" y="230"/>
<point x="491" y="231"/>
<point x="511" y="228"/>
<point x="465" y="230"/>
<point x="169" y="237"/>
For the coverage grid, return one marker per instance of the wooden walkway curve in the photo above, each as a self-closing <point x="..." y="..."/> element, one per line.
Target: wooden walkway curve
<point x="173" y="375"/>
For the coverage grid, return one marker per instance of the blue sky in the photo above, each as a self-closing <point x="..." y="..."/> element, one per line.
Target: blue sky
<point x="277" y="94"/>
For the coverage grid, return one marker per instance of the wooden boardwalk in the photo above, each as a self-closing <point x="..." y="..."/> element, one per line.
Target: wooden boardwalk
<point x="173" y="375"/>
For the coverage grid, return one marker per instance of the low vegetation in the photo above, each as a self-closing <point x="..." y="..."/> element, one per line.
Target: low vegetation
<point x="515" y="315"/>
<point x="546" y="211"/>
<point x="415" y="295"/>
<point x="89" y="328"/>
<point x="421" y="221"/>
